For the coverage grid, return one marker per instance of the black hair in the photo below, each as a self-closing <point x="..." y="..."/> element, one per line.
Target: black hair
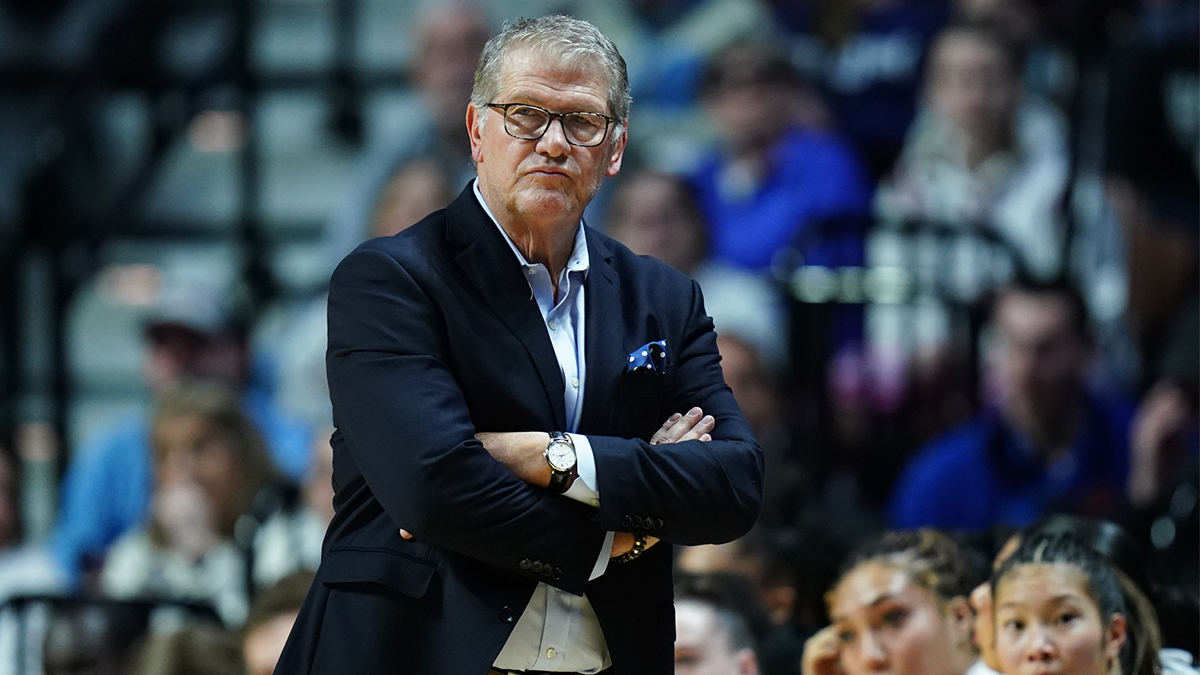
<point x="742" y="61"/>
<point x="1060" y="287"/>
<point x="731" y="597"/>
<point x="1112" y="592"/>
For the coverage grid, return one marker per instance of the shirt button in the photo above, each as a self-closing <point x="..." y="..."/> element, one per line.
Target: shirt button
<point x="531" y="271"/>
<point x="553" y="325"/>
<point x="550" y="653"/>
<point x="595" y="502"/>
<point x="575" y="382"/>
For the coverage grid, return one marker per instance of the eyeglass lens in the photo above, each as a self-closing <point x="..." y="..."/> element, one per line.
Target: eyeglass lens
<point x="530" y="123"/>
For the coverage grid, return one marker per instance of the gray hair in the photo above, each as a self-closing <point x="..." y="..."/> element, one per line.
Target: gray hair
<point x="572" y="41"/>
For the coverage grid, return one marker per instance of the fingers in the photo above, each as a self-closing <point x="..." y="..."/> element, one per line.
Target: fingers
<point x="821" y="654"/>
<point x="405" y="534"/>
<point x="664" y="429"/>
<point x="693" y="426"/>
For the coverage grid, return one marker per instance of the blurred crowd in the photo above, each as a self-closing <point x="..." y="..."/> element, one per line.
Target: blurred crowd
<point x="950" y="251"/>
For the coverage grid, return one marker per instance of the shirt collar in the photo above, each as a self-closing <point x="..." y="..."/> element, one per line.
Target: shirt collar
<point x="579" y="260"/>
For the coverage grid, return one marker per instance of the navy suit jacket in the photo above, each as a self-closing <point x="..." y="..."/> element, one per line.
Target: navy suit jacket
<point x="434" y="335"/>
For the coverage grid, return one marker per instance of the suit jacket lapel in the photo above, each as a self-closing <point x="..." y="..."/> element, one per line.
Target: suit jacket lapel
<point x="604" y="336"/>
<point x="490" y="265"/>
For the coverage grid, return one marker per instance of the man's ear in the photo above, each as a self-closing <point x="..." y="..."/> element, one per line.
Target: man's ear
<point x="618" y="151"/>
<point x="1114" y="637"/>
<point x="475" y="131"/>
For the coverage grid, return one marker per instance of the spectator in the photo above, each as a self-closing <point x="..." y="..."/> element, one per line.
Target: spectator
<point x="866" y="56"/>
<point x="656" y="214"/>
<point x="712" y="636"/>
<point x="416" y="190"/>
<point x="25" y="568"/>
<point x="773" y="184"/>
<point x="270" y="622"/>
<point x="448" y="40"/>
<point x="900" y="606"/>
<point x="209" y="466"/>
<point x="199" y="649"/>
<point x="1049" y="443"/>
<point x="1053" y="576"/>
<point x="192" y="333"/>
<point x="97" y="639"/>
<point x="982" y="155"/>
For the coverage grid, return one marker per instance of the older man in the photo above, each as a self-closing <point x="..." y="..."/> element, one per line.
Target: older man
<point x="499" y="373"/>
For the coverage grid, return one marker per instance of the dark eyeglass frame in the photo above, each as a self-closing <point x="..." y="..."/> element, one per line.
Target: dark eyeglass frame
<point x="550" y="117"/>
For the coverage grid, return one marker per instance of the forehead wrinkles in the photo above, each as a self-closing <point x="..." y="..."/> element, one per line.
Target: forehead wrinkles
<point x="527" y="69"/>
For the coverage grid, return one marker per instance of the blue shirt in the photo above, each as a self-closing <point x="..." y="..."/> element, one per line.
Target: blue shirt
<point x="984" y="473"/>
<point x="813" y="176"/>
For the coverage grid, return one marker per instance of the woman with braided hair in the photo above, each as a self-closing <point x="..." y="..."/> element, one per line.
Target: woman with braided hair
<point x="900" y="606"/>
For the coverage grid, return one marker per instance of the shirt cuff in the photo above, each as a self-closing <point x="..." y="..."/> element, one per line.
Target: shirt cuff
<point x="602" y="563"/>
<point x="584" y="488"/>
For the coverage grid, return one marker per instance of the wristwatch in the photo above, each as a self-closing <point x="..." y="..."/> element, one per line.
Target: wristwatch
<point x="560" y="455"/>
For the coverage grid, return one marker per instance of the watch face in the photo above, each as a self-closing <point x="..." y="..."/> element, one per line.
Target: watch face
<point x="561" y="456"/>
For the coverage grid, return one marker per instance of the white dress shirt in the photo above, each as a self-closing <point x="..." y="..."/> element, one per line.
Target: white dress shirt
<point x="559" y="631"/>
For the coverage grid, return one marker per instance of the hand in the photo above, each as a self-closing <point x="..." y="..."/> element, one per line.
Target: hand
<point x="1157" y="450"/>
<point x="623" y="543"/>
<point x="694" y="426"/>
<point x="822" y="653"/>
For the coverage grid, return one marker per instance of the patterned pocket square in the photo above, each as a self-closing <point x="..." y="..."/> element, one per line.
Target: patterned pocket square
<point x="649" y="359"/>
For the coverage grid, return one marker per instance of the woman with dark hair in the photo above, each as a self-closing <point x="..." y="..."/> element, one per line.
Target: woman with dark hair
<point x="209" y="464"/>
<point x="1174" y="613"/>
<point x="1059" y="606"/>
<point x="900" y="605"/>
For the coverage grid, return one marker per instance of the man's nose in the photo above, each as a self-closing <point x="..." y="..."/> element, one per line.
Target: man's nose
<point x="554" y="143"/>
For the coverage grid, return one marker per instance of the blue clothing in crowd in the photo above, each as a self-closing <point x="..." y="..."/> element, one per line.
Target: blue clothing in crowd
<point x="984" y="473"/>
<point x="107" y="488"/>
<point x="814" y="177"/>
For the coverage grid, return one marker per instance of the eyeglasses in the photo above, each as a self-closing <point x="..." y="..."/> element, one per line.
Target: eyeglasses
<point x="529" y="123"/>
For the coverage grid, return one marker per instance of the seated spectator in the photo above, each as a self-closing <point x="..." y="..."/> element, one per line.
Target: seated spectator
<point x="106" y="489"/>
<point x="448" y="37"/>
<point x="771" y="183"/>
<point x="93" y="638"/>
<point x="416" y="190"/>
<point x="1052" y="577"/>
<point x="900" y="606"/>
<point x="200" y="649"/>
<point x="712" y="634"/>
<point x="209" y="466"/>
<point x="1049" y="443"/>
<point x="865" y="56"/>
<point x="270" y="622"/>
<point x="983" y="156"/>
<point x="656" y="214"/>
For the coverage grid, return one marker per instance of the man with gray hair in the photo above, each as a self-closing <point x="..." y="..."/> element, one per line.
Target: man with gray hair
<point x="506" y="489"/>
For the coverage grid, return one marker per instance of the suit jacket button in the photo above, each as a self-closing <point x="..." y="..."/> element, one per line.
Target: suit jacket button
<point x="558" y="574"/>
<point x="546" y="571"/>
<point x="627" y="522"/>
<point x="526" y="564"/>
<point x="537" y="565"/>
<point x="637" y="522"/>
<point x="658" y="524"/>
<point x="507" y="615"/>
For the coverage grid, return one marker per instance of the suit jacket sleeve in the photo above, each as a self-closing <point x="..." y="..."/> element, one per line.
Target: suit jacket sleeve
<point x="693" y="492"/>
<point x="409" y="432"/>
